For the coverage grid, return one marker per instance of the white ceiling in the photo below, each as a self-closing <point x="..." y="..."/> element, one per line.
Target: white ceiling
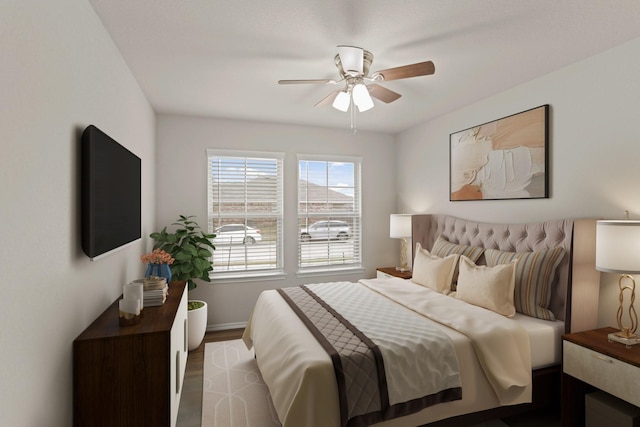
<point x="223" y="58"/>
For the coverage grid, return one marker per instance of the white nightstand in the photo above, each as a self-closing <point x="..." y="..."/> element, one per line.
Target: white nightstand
<point x="387" y="272"/>
<point x="589" y="360"/>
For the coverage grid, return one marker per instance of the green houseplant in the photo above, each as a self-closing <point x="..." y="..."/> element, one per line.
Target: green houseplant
<point x="191" y="249"/>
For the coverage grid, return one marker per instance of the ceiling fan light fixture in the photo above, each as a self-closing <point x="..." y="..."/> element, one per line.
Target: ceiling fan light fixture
<point x="353" y="64"/>
<point x="361" y="97"/>
<point x="342" y="101"/>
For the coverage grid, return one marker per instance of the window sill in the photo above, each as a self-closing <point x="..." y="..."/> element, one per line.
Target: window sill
<point x="329" y="272"/>
<point x="246" y="277"/>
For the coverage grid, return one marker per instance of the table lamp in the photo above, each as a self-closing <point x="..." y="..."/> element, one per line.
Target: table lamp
<point x="400" y="228"/>
<point x="618" y="251"/>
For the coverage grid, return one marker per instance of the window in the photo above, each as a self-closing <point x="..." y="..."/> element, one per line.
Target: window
<point x="329" y="219"/>
<point x="245" y="211"/>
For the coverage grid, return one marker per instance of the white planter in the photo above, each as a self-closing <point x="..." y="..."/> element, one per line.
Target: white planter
<point x="197" y="325"/>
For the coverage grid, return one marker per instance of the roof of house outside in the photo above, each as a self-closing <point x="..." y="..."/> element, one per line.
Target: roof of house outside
<point x="259" y="189"/>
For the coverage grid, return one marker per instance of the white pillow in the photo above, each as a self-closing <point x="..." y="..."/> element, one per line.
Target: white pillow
<point x="488" y="287"/>
<point x="432" y="271"/>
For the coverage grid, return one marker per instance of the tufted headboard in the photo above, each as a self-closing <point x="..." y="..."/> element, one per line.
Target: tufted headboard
<point x="577" y="281"/>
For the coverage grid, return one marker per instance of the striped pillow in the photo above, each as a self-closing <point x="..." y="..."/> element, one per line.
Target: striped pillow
<point x="443" y="248"/>
<point x="534" y="274"/>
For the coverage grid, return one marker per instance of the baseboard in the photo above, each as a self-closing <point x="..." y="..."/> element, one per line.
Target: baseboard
<point x="226" y="326"/>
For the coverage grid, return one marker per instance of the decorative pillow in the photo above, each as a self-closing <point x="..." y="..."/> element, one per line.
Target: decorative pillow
<point x="442" y="248"/>
<point x="488" y="287"/>
<point x="534" y="275"/>
<point x="432" y="271"/>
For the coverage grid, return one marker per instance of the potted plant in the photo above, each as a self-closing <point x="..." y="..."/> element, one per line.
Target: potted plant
<point x="191" y="249"/>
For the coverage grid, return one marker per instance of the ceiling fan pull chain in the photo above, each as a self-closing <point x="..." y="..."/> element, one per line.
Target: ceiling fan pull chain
<point x="353" y="118"/>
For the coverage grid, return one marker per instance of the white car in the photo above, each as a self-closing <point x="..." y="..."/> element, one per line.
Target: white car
<point x="326" y="230"/>
<point x="236" y="234"/>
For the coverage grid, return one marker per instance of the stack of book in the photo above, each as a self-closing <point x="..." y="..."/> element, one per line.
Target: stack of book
<point x="154" y="291"/>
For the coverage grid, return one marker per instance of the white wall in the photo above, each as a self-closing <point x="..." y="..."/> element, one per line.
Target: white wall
<point x="182" y="189"/>
<point x="60" y="72"/>
<point x="594" y="150"/>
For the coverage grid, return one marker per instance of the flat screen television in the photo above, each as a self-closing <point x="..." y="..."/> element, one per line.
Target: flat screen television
<point x="110" y="194"/>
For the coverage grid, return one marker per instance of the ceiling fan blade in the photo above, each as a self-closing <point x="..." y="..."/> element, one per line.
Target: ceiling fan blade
<point x="311" y="81"/>
<point x="382" y="93"/>
<point x="328" y="100"/>
<point x="406" y="71"/>
<point x="352" y="58"/>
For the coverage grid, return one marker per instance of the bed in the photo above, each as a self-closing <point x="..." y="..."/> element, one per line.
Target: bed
<point x="307" y="391"/>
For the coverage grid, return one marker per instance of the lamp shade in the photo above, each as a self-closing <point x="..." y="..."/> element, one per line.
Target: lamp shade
<point x="618" y="246"/>
<point x="400" y="226"/>
<point x="361" y="97"/>
<point x="342" y="101"/>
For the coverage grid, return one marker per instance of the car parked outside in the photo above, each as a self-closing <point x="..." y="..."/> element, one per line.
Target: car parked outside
<point x="236" y="234"/>
<point x="326" y="230"/>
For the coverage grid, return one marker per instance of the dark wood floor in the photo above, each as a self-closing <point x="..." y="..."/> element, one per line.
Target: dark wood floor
<point x="190" y="412"/>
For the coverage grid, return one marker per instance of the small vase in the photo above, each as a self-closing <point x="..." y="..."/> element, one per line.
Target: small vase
<point x="158" y="270"/>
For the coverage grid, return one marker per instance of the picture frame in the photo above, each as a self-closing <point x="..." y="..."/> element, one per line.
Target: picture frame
<point x="503" y="159"/>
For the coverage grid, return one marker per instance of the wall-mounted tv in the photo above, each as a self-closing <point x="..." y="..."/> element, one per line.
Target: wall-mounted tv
<point x="110" y="194"/>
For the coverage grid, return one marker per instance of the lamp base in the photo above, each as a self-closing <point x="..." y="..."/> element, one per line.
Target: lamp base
<point x="403" y="269"/>
<point x="621" y="337"/>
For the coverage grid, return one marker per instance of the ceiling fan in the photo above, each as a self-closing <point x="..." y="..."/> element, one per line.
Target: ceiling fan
<point x="353" y="65"/>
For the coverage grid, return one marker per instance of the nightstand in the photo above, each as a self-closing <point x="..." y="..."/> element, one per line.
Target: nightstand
<point x="387" y="272"/>
<point x="589" y="362"/>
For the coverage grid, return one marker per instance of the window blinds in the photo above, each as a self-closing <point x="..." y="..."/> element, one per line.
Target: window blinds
<point x="246" y="210"/>
<point x="329" y="217"/>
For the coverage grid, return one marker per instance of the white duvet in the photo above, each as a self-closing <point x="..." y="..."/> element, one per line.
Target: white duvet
<point x="502" y="346"/>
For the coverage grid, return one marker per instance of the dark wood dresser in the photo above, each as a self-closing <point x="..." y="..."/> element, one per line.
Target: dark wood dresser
<point x="132" y="375"/>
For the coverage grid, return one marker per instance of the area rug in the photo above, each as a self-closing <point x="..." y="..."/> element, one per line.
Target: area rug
<point x="233" y="392"/>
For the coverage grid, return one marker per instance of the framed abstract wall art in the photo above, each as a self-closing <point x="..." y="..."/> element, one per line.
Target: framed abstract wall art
<point x="503" y="159"/>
